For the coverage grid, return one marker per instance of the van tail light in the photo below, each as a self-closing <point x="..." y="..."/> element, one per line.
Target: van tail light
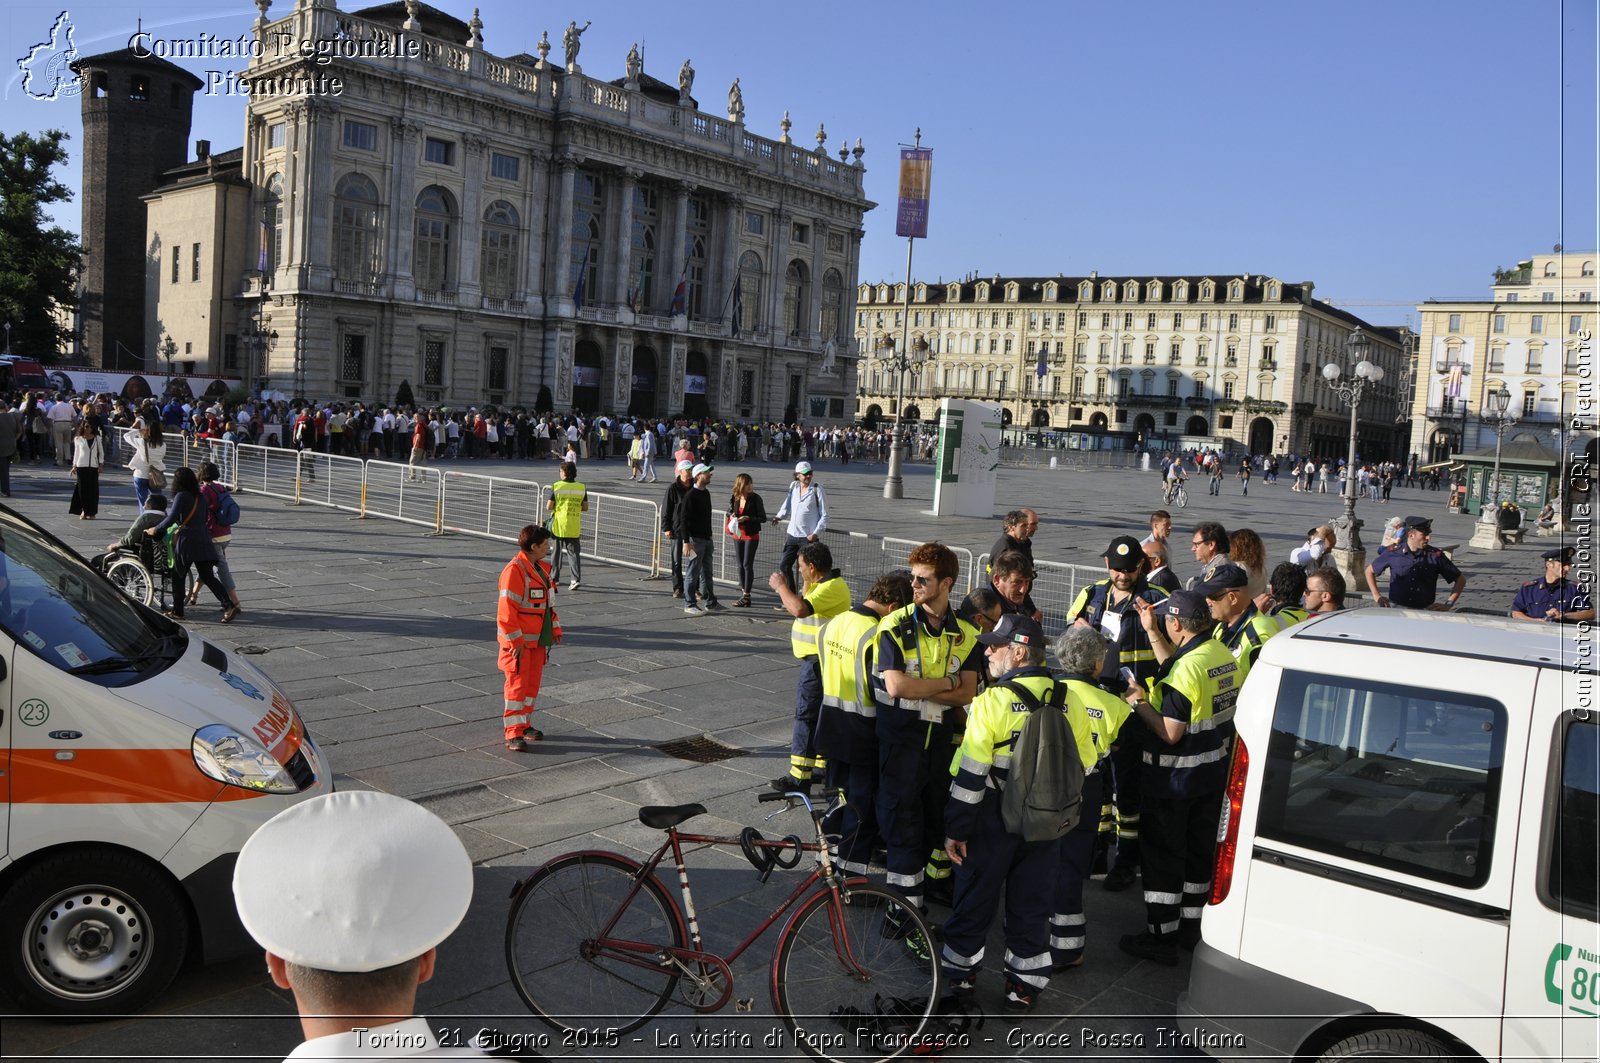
<point x="1228" y="829"/>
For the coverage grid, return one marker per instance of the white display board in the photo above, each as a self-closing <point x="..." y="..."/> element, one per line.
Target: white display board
<point x="968" y="460"/>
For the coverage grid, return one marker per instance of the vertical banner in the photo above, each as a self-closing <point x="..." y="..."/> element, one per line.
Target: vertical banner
<point x="968" y="461"/>
<point x="916" y="181"/>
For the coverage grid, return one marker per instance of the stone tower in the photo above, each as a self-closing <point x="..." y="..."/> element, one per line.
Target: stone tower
<point x="136" y="115"/>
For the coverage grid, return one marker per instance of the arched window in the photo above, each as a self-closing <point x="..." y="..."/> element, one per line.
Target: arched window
<point x="436" y="214"/>
<point x="697" y="278"/>
<point x="832" y="305"/>
<point x="750" y="278"/>
<point x="274" y="205"/>
<point x="1588" y="269"/>
<point x="499" y="252"/>
<point x="588" y="210"/>
<point x="1550" y="269"/>
<point x="796" y="297"/>
<point x="642" y="261"/>
<point x="356" y="246"/>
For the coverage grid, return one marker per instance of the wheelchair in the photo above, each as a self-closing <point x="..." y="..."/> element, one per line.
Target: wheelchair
<point x="143" y="574"/>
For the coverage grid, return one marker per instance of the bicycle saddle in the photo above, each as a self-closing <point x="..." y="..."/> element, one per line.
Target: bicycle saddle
<point x="660" y="817"/>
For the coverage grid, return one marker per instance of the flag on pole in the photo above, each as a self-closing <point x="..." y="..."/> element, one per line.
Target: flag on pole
<point x="1042" y="368"/>
<point x="583" y="277"/>
<point x="636" y="293"/>
<point x="738" y="305"/>
<point x="680" y="297"/>
<point x="1454" y="389"/>
<point x="261" y="261"/>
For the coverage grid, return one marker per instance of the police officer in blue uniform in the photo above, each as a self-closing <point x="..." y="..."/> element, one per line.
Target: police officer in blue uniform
<point x="1554" y="599"/>
<point x="1415" y="570"/>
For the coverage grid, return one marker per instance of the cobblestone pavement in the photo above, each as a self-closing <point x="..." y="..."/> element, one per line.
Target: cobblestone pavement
<point x="383" y="636"/>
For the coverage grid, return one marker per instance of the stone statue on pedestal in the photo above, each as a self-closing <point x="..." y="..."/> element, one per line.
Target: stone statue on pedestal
<point x="685" y="78"/>
<point x="735" y="102"/>
<point x="635" y="63"/>
<point x="572" y="40"/>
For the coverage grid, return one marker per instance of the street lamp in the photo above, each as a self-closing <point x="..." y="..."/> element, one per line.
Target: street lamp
<point x="1363" y="374"/>
<point x="899" y="363"/>
<point x="1497" y="415"/>
<point x="8" y="338"/>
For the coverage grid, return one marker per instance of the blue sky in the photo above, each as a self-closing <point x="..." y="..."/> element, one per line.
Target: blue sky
<point x="1389" y="150"/>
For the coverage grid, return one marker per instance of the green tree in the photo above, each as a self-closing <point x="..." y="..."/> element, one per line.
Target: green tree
<point x="39" y="262"/>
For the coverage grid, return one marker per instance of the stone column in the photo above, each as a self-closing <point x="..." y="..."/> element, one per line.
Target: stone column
<point x="297" y="138"/>
<point x="469" y="245"/>
<point x="622" y="376"/>
<point x="812" y="311"/>
<point x="559" y="295"/>
<point x="620" y="274"/>
<point x="680" y="358"/>
<point x="726" y="264"/>
<point x="680" y="239"/>
<point x="312" y="213"/>
<point x="777" y="270"/>
<point x="403" y="136"/>
<point x="533" y="213"/>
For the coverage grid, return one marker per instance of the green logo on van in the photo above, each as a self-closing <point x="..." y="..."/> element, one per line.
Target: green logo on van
<point x="33" y="712"/>
<point x="1582" y="977"/>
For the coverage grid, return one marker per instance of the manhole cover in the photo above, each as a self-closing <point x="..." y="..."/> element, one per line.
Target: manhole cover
<point x="701" y="750"/>
<point x="250" y="650"/>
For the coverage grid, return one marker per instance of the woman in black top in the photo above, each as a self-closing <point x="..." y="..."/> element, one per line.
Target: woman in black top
<point x="193" y="545"/>
<point x="746" y="514"/>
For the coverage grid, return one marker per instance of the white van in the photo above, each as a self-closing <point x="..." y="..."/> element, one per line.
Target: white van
<point x="1408" y="861"/>
<point x="137" y="759"/>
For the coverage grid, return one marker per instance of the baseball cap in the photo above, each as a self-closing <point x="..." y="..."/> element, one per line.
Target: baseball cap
<point x="685" y="465"/>
<point x="1222" y="578"/>
<point x="379" y="880"/>
<point x="1562" y="554"/>
<point x="698" y="469"/>
<point x="1424" y="523"/>
<point x="803" y="468"/>
<point x="1185" y="605"/>
<point x="1014" y="627"/>
<point x="1124" y="554"/>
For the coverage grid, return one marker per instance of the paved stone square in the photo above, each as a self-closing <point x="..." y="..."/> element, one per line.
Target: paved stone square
<point x="383" y="635"/>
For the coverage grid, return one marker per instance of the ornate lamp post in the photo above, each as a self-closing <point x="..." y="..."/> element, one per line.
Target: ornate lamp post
<point x="899" y="363"/>
<point x="1349" y="554"/>
<point x="8" y="339"/>
<point x="1497" y="415"/>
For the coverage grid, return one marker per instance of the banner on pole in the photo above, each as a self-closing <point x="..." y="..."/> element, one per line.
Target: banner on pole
<point x="916" y="181"/>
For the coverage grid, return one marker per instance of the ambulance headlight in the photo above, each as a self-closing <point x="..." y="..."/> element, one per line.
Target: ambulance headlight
<point x="239" y="760"/>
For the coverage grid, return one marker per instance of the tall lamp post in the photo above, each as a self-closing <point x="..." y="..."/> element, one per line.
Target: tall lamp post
<point x="1497" y="415"/>
<point x="910" y="354"/>
<point x="8" y="339"/>
<point x="1362" y="374"/>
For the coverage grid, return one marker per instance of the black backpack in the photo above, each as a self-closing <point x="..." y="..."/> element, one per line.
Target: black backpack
<point x="1044" y="790"/>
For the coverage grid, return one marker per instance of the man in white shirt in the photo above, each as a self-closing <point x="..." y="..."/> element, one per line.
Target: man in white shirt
<point x="61" y="417"/>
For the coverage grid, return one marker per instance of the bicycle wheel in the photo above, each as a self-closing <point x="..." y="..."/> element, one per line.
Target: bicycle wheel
<point x="1183" y="498"/>
<point x="859" y="987"/>
<point x="555" y="919"/>
<point x="131" y="578"/>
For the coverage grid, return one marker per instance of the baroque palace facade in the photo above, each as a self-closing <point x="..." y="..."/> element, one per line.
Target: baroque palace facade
<point x="1180" y="361"/>
<point x="510" y="230"/>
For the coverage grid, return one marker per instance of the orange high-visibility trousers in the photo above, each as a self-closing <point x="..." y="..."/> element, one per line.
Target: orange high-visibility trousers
<point x="522" y="688"/>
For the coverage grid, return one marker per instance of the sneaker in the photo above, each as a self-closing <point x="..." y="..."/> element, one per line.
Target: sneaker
<point x="717" y="606"/>
<point x="677" y="592"/>
<point x="917" y="945"/>
<point x="517" y="745"/>
<point x="574" y="585"/>
<point x="533" y="734"/>
<point x="962" y="988"/>
<point x="1148" y="946"/>
<point x="1059" y="967"/>
<point x="1019" y="997"/>
<point x="1120" y="878"/>
<point x="788" y="784"/>
<point x="694" y="610"/>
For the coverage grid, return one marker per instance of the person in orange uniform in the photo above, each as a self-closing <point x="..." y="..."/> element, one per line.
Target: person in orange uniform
<point x="526" y="627"/>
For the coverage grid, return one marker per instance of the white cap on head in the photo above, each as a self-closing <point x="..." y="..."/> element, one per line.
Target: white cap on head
<point x="352" y="881"/>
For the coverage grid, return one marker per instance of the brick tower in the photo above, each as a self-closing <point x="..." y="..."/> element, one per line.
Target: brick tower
<point x="136" y="115"/>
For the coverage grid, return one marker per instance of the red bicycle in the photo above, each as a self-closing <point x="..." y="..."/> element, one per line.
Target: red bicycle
<point x="596" y="945"/>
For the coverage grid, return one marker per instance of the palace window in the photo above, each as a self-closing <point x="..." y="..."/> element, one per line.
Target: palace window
<point x="436" y="214"/>
<point x="356" y="246"/>
<point x="499" y="251"/>
<point x="360" y="135"/>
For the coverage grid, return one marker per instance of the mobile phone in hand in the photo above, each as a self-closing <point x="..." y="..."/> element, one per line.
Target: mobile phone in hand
<point x="1127" y="675"/>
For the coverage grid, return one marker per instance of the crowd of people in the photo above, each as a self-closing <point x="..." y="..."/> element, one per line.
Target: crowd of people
<point x="1375" y="481"/>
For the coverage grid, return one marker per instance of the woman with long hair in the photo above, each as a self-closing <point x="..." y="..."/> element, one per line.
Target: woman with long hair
<point x="215" y="492"/>
<point x="88" y="455"/>
<point x="193" y="547"/>
<point x="1246" y="550"/>
<point x="746" y="514"/>
<point x="149" y="453"/>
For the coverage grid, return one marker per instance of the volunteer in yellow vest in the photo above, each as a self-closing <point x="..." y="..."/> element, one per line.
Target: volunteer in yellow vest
<point x="1081" y="653"/>
<point x="990" y="859"/>
<point x="1240" y="625"/>
<point x="826" y="596"/>
<point x="1108" y="607"/>
<point x="928" y="664"/>
<point x="1285" y="597"/>
<point x="847" y="738"/>
<point x="1189" y="707"/>
<point x="526" y="627"/>
<point x="569" y="500"/>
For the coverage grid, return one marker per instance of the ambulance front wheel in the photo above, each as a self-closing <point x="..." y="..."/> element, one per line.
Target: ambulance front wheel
<point x="87" y="932"/>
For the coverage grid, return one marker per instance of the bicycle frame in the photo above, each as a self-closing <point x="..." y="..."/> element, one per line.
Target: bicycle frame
<point x="653" y="955"/>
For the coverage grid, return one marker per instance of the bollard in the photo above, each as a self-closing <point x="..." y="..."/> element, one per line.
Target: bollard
<point x="1052" y="461"/>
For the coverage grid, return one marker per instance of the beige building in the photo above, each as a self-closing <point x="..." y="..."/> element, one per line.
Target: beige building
<point x="1533" y="335"/>
<point x="1206" y="360"/>
<point x="489" y="229"/>
<point x="197" y="233"/>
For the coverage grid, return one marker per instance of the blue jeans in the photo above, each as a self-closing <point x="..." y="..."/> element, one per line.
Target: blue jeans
<point x="697" y="573"/>
<point x="141" y="491"/>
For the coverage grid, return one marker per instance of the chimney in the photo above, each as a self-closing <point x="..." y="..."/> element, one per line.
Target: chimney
<point x="202" y="150"/>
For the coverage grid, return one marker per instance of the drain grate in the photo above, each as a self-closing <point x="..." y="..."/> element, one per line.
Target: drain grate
<point x="250" y="650"/>
<point x="701" y="750"/>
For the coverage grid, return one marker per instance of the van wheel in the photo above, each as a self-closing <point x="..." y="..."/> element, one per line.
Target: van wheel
<point x="1391" y="1044"/>
<point x="89" y="932"/>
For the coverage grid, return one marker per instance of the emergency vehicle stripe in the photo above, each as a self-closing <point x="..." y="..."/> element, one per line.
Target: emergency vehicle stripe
<point x="114" y="777"/>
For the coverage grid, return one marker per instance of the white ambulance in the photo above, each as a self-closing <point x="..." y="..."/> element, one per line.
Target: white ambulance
<point x="1408" y="861"/>
<point x="137" y="759"/>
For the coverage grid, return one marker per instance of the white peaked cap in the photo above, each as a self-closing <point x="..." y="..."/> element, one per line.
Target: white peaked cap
<point x="352" y="881"/>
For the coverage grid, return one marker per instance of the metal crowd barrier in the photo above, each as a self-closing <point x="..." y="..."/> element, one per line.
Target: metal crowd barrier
<point x="412" y="495"/>
<point x="897" y="553"/>
<point x="331" y="480"/>
<point x="270" y="471"/>
<point x="725" y="558"/>
<point x="858" y="557"/>
<point x="1055" y="587"/>
<point x="496" y="507"/>
<point x="623" y="531"/>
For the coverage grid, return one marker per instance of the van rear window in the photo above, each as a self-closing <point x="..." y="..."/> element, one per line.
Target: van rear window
<point x="1574" y="867"/>
<point x="1398" y="777"/>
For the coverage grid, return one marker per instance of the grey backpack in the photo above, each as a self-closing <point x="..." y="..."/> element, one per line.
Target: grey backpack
<point x="1044" y="790"/>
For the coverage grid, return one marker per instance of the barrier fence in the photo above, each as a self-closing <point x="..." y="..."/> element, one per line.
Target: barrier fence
<point x="410" y="494"/>
<point x="494" y="507"/>
<point x="1055" y="587"/>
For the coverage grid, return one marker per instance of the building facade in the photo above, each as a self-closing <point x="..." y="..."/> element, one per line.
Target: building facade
<point x="1232" y="361"/>
<point x="510" y="230"/>
<point x="1533" y="336"/>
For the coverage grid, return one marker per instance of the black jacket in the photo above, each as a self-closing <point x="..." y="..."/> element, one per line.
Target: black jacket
<point x="669" y="506"/>
<point x="692" y="517"/>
